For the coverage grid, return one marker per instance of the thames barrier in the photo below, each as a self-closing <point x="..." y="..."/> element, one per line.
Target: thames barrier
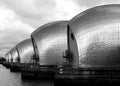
<point x="84" y="50"/>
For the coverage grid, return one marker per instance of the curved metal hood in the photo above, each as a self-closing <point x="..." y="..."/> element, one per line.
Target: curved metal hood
<point x="14" y="54"/>
<point x="9" y="56"/>
<point x="6" y="57"/>
<point x="50" y="41"/>
<point x="25" y="50"/>
<point x="97" y="31"/>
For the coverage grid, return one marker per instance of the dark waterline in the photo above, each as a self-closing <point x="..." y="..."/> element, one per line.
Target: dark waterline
<point x="8" y="78"/>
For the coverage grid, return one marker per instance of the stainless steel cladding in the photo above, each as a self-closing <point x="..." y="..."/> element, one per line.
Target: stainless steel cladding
<point x="9" y="56"/>
<point x="50" y="41"/>
<point x="97" y="31"/>
<point x="14" y="54"/>
<point x="25" y="50"/>
<point x="6" y="57"/>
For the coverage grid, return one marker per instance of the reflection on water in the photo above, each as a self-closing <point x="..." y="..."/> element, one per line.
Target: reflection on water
<point x="8" y="78"/>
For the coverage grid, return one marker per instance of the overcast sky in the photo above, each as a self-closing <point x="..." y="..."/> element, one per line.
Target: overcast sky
<point x="18" y="18"/>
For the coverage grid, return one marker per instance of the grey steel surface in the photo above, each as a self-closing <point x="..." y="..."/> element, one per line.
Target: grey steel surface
<point x="97" y="32"/>
<point x="9" y="56"/>
<point x="6" y="57"/>
<point x="50" y="41"/>
<point x="14" y="54"/>
<point x="25" y="49"/>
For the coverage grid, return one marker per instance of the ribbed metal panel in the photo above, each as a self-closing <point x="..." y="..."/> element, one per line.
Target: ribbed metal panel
<point x="6" y="57"/>
<point x="25" y="50"/>
<point x="14" y="54"/>
<point x="97" y="31"/>
<point x="9" y="56"/>
<point x="50" y="40"/>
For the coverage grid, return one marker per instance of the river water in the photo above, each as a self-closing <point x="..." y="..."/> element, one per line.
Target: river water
<point x="8" y="78"/>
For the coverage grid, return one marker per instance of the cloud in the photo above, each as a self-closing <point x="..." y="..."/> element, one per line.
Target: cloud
<point x="36" y="13"/>
<point x="67" y="9"/>
<point x="30" y="8"/>
<point x="12" y="30"/>
<point x="31" y="11"/>
<point x="92" y="3"/>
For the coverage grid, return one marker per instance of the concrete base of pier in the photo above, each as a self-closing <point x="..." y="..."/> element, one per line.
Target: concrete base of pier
<point x="7" y="64"/>
<point x="16" y="67"/>
<point x="87" y="76"/>
<point x="41" y="72"/>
